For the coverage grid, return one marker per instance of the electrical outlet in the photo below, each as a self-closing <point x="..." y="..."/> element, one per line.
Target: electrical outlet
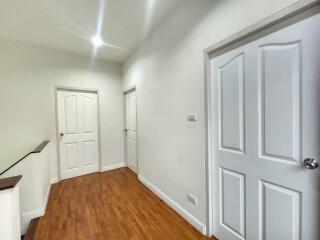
<point x="192" y="199"/>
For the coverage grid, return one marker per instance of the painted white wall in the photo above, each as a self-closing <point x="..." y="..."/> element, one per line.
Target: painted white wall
<point x="28" y="76"/>
<point x="167" y="70"/>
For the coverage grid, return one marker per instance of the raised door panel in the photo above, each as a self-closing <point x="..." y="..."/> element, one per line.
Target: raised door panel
<point x="88" y="105"/>
<point x="72" y="155"/>
<point x="132" y="135"/>
<point x="280" y="101"/>
<point x="132" y="153"/>
<point x="89" y="153"/>
<point x="131" y="111"/>
<point x="279" y="213"/>
<point x="231" y="104"/>
<point x="232" y="202"/>
<point x="70" y="114"/>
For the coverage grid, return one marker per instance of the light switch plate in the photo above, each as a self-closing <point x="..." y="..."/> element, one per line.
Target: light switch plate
<point x="192" y="199"/>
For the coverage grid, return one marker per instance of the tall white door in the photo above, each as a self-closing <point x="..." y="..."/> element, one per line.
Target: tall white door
<point x="266" y="123"/>
<point x="131" y="130"/>
<point x="78" y="133"/>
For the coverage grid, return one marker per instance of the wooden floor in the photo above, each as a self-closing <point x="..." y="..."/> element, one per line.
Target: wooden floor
<point x="111" y="205"/>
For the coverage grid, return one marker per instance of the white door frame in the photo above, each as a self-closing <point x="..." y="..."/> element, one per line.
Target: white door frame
<point x="295" y="12"/>
<point x="76" y="89"/>
<point x="131" y="89"/>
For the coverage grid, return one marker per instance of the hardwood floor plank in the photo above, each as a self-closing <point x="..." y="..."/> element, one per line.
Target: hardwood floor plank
<point x="110" y="205"/>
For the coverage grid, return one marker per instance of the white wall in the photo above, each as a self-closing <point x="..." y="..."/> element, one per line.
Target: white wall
<point x="28" y="76"/>
<point x="168" y="72"/>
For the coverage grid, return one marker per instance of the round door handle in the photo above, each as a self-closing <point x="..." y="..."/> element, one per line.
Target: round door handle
<point x="61" y="134"/>
<point x="310" y="163"/>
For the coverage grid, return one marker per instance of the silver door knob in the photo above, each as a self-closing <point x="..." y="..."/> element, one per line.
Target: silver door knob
<point x="311" y="163"/>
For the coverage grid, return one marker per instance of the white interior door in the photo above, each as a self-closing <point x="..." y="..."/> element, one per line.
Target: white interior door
<point x="131" y="130"/>
<point x="78" y="130"/>
<point x="266" y="122"/>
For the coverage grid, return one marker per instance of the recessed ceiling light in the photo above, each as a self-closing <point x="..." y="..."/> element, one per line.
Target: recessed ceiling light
<point x="96" y="41"/>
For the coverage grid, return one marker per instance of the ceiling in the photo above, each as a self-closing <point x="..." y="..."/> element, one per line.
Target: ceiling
<point x="68" y="25"/>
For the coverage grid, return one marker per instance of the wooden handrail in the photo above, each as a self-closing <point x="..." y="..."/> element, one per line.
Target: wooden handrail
<point x="11" y="182"/>
<point x="38" y="149"/>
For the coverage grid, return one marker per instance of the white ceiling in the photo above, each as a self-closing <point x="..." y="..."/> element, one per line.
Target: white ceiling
<point x="68" y="25"/>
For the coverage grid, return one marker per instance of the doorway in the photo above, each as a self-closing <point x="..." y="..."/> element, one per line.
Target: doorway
<point x="131" y="138"/>
<point x="77" y="132"/>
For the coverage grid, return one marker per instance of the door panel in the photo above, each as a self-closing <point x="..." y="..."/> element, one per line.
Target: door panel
<point x="280" y="83"/>
<point x="231" y="105"/>
<point x="132" y="154"/>
<point x="78" y="122"/>
<point x="232" y="209"/>
<point x="281" y="127"/>
<point x="71" y="122"/>
<point x="89" y="105"/>
<point x="89" y="150"/>
<point x="279" y="212"/>
<point x="72" y="155"/>
<point x="131" y="133"/>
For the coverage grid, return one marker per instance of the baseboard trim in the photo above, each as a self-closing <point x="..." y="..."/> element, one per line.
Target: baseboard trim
<point x="54" y="180"/>
<point x="44" y="207"/>
<point x="112" y="167"/>
<point x="175" y="206"/>
<point x="26" y="217"/>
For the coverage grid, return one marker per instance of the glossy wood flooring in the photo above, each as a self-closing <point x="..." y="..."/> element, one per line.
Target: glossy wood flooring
<point x="111" y="205"/>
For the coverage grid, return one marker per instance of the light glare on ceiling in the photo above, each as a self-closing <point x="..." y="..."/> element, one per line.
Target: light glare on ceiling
<point x="96" y="41"/>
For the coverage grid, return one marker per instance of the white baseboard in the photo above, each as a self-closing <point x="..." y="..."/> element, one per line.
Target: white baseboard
<point x="26" y="217"/>
<point x="54" y="180"/>
<point x="175" y="206"/>
<point x="112" y="167"/>
<point x="44" y="207"/>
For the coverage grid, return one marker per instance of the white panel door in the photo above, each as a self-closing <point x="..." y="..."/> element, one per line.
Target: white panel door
<point x="266" y="122"/>
<point x="131" y="130"/>
<point x="78" y="133"/>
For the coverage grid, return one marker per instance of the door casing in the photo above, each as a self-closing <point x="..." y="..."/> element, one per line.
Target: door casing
<point x="134" y="88"/>
<point x="283" y="18"/>
<point x="76" y="89"/>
